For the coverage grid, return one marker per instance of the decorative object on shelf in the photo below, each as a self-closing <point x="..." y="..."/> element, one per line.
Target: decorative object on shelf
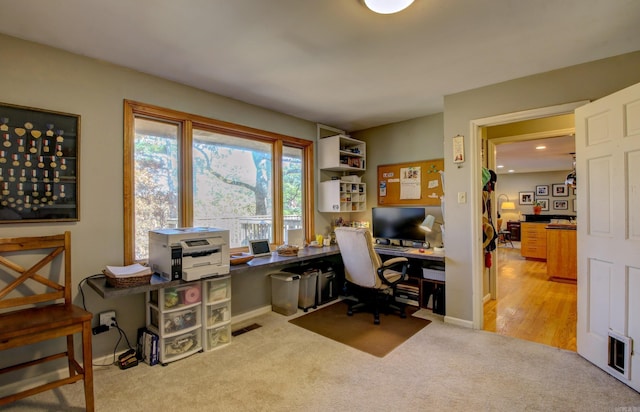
<point x="387" y="6"/>
<point x="526" y="198"/>
<point x="542" y="190"/>
<point x="560" y="190"/>
<point x="39" y="165"/>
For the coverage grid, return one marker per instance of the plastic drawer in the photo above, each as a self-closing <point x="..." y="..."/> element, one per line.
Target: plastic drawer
<point x="184" y="319"/>
<point x="218" y="290"/>
<point x="181" y="345"/>
<point x="218" y="313"/>
<point x="217" y="337"/>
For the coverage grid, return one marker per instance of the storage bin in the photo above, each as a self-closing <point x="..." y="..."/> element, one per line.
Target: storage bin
<point x="217" y="337"/>
<point x="307" y="292"/>
<point x="284" y="293"/>
<point x="433" y="274"/>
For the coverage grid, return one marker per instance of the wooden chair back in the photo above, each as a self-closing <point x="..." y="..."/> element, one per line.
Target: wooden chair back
<point x="35" y="307"/>
<point x="53" y="290"/>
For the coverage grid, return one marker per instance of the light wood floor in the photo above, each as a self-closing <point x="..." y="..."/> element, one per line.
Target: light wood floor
<point x="529" y="306"/>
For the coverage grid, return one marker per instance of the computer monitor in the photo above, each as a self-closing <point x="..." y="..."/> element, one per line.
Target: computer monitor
<point x="398" y="223"/>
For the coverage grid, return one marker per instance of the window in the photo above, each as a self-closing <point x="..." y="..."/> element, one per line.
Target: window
<point x="183" y="170"/>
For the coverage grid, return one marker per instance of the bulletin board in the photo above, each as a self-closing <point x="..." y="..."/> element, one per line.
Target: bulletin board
<point x="412" y="183"/>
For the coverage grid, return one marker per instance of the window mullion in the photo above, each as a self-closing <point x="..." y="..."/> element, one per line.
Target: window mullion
<point x="186" y="174"/>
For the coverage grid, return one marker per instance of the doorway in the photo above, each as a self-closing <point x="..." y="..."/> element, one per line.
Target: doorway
<point x="477" y="141"/>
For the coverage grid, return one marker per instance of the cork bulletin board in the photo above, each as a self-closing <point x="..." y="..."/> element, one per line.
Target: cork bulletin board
<point x="416" y="183"/>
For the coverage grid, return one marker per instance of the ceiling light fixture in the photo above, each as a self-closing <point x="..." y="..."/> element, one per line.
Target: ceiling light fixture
<point x="387" y="6"/>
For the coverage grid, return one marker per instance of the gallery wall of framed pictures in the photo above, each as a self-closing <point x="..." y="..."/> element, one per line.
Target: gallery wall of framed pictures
<point x="528" y="190"/>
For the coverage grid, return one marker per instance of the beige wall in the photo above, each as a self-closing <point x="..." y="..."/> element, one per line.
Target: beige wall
<point x="42" y="77"/>
<point x="583" y="82"/>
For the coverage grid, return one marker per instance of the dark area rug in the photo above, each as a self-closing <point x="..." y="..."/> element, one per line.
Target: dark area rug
<point x="358" y="331"/>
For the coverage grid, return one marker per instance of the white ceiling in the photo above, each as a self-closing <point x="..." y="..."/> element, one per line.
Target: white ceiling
<point x="333" y="61"/>
<point x="523" y="157"/>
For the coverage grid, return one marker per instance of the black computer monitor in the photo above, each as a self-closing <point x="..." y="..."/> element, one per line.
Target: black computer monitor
<point x="398" y="223"/>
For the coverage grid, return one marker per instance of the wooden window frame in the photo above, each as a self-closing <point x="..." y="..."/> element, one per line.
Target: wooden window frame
<point x="187" y="122"/>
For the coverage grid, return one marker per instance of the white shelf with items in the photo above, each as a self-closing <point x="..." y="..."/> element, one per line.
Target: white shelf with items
<point x="342" y="196"/>
<point x="175" y="315"/>
<point x="341" y="153"/>
<point x="217" y="312"/>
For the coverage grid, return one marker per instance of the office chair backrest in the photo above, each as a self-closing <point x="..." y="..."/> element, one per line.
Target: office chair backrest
<point x="358" y="256"/>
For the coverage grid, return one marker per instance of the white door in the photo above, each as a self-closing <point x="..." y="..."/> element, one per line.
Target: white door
<point x="608" y="211"/>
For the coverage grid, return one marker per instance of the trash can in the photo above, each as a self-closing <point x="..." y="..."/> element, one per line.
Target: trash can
<point x="284" y="293"/>
<point x="307" y="293"/>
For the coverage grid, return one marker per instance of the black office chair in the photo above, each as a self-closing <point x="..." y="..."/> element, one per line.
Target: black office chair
<point x="375" y="280"/>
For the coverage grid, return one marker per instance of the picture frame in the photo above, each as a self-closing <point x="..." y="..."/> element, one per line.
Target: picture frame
<point x="561" y="204"/>
<point x="543" y="203"/>
<point x="39" y="165"/>
<point x="560" y="190"/>
<point x="542" y="190"/>
<point x="525" y="198"/>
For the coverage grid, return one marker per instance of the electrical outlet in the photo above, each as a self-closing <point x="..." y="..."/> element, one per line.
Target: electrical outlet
<point x="107" y="318"/>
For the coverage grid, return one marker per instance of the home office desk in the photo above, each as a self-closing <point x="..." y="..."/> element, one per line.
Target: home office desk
<point x="417" y="260"/>
<point x="431" y="292"/>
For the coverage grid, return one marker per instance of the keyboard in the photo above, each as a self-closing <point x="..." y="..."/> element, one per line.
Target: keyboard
<point x="390" y="247"/>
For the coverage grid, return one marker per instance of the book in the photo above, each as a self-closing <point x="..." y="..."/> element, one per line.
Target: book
<point x="135" y="269"/>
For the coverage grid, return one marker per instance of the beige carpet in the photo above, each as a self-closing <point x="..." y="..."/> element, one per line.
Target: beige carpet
<point x="282" y="367"/>
<point x="359" y="331"/>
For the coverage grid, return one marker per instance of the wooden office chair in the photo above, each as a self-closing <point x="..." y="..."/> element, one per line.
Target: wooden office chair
<point x="37" y="308"/>
<point x="376" y="280"/>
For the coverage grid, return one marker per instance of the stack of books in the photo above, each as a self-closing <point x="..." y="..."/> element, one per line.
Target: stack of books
<point x="408" y="294"/>
<point x="148" y="346"/>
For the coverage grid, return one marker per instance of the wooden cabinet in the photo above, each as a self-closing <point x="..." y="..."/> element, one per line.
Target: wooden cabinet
<point x="562" y="260"/>
<point x="534" y="240"/>
<point x="514" y="229"/>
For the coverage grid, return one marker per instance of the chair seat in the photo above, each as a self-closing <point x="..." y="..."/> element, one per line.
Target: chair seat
<point x="32" y="325"/>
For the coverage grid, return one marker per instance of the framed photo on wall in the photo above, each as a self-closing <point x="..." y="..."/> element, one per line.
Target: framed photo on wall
<point x="543" y="203"/>
<point x="542" y="190"/>
<point x="39" y="165"/>
<point x="560" y="190"/>
<point x="561" y="204"/>
<point x="526" y="198"/>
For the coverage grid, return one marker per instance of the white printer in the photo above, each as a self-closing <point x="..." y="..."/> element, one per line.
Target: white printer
<point x="189" y="253"/>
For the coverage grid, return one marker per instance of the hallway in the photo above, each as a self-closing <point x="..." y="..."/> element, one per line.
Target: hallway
<point x="529" y="306"/>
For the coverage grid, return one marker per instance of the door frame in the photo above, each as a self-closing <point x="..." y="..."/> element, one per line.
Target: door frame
<point x="476" y="145"/>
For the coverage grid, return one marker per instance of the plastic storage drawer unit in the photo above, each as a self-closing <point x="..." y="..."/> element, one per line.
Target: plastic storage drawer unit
<point x="284" y="293"/>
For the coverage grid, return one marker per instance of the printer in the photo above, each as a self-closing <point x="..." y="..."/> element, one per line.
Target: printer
<point x="189" y="253"/>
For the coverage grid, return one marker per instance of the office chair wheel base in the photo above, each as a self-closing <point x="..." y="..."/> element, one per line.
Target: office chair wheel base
<point x="376" y="321"/>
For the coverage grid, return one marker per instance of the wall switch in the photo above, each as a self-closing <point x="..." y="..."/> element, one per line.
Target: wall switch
<point x="462" y="197"/>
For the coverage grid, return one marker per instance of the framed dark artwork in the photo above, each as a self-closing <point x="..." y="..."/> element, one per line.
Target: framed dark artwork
<point x="39" y="165"/>
<point x="560" y="190"/>
<point x="561" y="204"/>
<point x="543" y="203"/>
<point x="525" y="198"/>
<point x="542" y="190"/>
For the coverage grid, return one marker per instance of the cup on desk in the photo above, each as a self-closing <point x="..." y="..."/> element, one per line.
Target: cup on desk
<point x="327" y="242"/>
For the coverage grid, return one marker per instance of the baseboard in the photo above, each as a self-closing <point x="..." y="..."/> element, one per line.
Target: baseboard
<point x="243" y="317"/>
<point x="458" y="322"/>
<point x="486" y="298"/>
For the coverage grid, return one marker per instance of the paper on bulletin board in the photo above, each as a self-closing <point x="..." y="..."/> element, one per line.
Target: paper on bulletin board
<point x="410" y="183"/>
<point x="383" y="188"/>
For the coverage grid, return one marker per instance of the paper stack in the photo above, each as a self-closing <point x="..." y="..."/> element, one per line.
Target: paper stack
<point x="128" y="271"/>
